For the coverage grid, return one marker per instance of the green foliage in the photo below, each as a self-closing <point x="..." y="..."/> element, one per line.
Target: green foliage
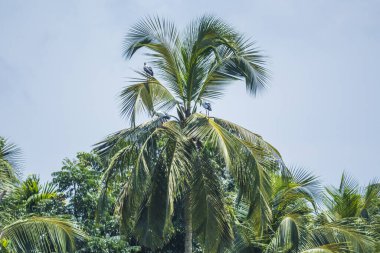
<point x="23" y="224"/>
<point x="150" y="187"/>
<point x="10" y="162"/>
<point x="300" y="224"/>
<point x="79" y="181"/>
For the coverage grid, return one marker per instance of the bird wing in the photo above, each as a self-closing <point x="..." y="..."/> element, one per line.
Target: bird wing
<point x="150" y="70"/>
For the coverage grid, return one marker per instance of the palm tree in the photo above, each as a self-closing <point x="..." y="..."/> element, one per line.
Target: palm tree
<point x="357" y="207"/>
<point x="297" y="226"/>
<point x="179" y="157"/>
<point x="349" y="200"/>
<point x="31" y="192"/>
<point x="29" y="233"/>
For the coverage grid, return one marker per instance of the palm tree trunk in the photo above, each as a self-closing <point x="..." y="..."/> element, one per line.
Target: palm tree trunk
<point x="188" y="227"/>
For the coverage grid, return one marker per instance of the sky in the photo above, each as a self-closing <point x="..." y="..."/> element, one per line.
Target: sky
<point x="61" y="69"/>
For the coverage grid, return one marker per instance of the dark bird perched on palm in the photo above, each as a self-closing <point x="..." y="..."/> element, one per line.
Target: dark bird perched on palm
<point x="207" y="106"/>
<point x="148" y="69"/>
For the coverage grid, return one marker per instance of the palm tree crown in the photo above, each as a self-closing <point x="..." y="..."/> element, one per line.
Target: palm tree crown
<point x="192" y="66"/>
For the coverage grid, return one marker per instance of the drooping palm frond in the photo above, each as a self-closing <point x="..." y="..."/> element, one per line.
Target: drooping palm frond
<point x="356" y="235"/>
<point x="344" y="201"/>
<point x="245" y="160"/>
<point x="8" y="178"/>
<point x="146" y="202"/>
<point x="253" y="138"/>
<point x="211" y="220"/>
<point x="10" y="164"/>
<point x="154" y="219"/>
<point x="371" y="198"/>
<point x="11" y="154"/>
<point x="326" y="248"/>
<point x="146" y="94"/>
<point x="232" y="65"/>
<point x="122" y="150"/>
<point x="228" y="138"/>
<point x="288" y="234"/>
<point x="109" y="146"/>
<point x="45" y="234"/>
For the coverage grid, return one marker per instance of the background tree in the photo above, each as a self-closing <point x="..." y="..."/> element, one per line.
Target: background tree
<point x="300" y="224"/>
<point x="33" y="194"/>
<point x="20" y="229"/>
<point x="79" y="181"/>
<point x="356" y="207"/>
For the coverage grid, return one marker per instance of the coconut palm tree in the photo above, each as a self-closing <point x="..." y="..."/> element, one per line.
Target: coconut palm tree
<point x="31" y="192"/>
<point x="357" y="207"/>
<point x="297" y="226"/>
<point x="179" y="153"/>
<point x="29" y="233"/>
<point x="350" y="200"/>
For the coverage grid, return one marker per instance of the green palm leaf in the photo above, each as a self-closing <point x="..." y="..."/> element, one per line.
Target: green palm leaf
<point x="145" y="95"/>
<point x="211" y="219"/>
<point x="41" y="233"/>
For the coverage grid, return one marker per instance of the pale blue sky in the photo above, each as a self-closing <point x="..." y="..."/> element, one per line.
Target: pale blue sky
<point x="61" y="70"/>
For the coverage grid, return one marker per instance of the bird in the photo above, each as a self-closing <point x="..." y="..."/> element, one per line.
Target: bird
<point x="162" y="115"/>
<point x="148" y="69"/>
<point x="207" y="106"/>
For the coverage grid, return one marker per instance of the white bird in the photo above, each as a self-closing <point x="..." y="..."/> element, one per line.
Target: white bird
<point x="148" y="69"/>
<point x="207" y="106"/>
<point x="162" y="115"/>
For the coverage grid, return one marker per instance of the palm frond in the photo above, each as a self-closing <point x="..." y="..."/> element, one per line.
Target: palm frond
<point x="42" y="233"/>
<point x="147" y="95"/>
<point x="327" y="248"/>
<point x="344" y="201"/>
<point x="246" y="161"/>
<point x="154" y="219"/>
<point x="288" y="234"/>
<point x="358" y="236"/>
<point x="11" y="154"/>
<point x="372" y="194"/>
<point x="210" y="217"/>
<point x="138" y="134"/>
<point x="294" y="185"/>
<point x="156" y="179"/>
<point x="10" y="165"/>
<point x="162" y="40"/>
